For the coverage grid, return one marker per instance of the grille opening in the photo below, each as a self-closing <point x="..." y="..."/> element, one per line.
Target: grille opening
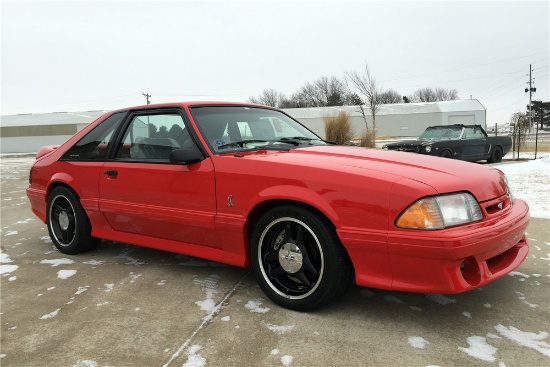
<point x="502" y="261"/>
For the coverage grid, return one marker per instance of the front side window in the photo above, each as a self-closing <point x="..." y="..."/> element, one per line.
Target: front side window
<point x="238" y="128"/>
<point x="94" y="145"/>
<point x="153" y="137"/>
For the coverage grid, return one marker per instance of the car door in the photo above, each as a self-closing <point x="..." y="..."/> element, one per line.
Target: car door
<point x="474" y="143"/>
<point x="142" y="193"/>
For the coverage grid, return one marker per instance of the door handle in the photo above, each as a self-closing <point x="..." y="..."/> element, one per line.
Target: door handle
<point x="111" y="172"/>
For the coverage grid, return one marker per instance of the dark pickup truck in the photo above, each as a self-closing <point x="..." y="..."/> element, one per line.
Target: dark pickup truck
<point x="465" y="142"/>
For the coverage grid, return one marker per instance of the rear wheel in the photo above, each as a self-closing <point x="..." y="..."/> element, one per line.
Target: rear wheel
<point x="298" y="259"/>
<point x="496" y="156"/>
<point x="68" y="224"/>
<point x="446" y="154"/>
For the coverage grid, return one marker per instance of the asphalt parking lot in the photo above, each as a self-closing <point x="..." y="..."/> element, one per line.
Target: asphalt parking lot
<point x="123" y="305"/>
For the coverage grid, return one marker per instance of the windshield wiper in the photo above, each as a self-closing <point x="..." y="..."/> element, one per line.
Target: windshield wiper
<point x="241" y="144"/>
<point x="285" y="138"/>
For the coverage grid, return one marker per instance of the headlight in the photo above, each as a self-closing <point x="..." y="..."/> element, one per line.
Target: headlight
<point x="428" y="148"/>
<point x="438" y="212"/>
<point x="508" y="189"/>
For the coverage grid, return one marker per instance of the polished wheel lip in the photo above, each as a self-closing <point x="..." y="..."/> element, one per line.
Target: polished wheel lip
<point x="63" y="222"/>
<point x="267" y="278"/>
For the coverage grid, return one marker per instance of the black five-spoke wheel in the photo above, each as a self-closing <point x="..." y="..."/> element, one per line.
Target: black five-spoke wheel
<point x="62" y="220"/>
<point x="68" y="225"/>
<point x="298" y="259"/>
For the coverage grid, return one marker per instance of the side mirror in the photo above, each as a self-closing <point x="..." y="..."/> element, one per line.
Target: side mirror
<point x="186" y="155"/>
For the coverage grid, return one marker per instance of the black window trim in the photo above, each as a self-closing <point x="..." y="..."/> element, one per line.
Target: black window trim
<point x="132" y="113"/>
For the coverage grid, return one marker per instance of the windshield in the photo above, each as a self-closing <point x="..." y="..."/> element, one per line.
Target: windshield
<point x="238" y="128"/>
<point x="442" y="132"/>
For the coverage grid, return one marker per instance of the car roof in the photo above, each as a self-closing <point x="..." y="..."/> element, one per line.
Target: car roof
<point x="191" y="104"/>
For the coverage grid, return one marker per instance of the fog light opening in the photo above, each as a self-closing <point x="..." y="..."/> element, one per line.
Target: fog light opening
<point x="470" y="271"/>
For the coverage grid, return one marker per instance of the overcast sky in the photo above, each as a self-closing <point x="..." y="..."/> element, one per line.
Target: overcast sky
<point x="79" y="56"/>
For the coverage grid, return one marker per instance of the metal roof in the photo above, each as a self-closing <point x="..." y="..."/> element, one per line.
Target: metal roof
<point x="460" y="105"/>
<point x="54" y="118"/>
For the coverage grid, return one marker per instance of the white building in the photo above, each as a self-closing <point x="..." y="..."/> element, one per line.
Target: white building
<point x="26" y="133"/>
<point x="397" y="120"/>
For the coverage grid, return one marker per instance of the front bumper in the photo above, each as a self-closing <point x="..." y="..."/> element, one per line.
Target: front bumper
<point x="452" y="260"/>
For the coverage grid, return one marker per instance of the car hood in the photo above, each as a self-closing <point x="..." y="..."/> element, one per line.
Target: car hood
<point x="444" y="175"/>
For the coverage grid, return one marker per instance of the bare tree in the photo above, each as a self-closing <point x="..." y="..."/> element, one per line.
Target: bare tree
<point x="269" y="97"/>
<point x="520" y="122"/>
<point x="428" y="94"/>
<point x="442" y="94"/>
<point x="390" y="96"/>
<point x="369" y="88"/>
<point x="322" y="92"/>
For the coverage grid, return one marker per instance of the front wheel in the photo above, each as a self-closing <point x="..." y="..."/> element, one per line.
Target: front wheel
<point x="446" y="154"/>
<point x="68" y="224"/>
<point x="298" y="259"/>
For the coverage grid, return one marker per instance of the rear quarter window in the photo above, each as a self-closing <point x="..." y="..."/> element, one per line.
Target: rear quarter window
<point x="94" y="145"/>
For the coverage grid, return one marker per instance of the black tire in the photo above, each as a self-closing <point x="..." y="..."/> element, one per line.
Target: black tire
<point x="68" y="224"/>
<point x="298" y="259"/>
<point x="446" y="154"/>
<point x="496" y="156"/>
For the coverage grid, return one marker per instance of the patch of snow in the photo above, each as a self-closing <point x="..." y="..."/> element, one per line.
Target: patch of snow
<point x="418" y="342"/>
<point x="5" y="258"/>
<point x="94" y="262"/>
<point x="467" y="314"/>
<point x="57" y="262"/>
<point x="279" y="329"/>
<point x="286" y="360"/>
<point x="131" y="261"/>
<point x="517" y="273"/>
<point x="64" y="274"/>
<point x="81" y="290"/>
<point x="487" y="305"/>
<point x="210" y="287"/>
<point x="414" y="308"/>
<point x="10" y="233"/>
<point x="162" y="282"/>
<point x="526" y="339"/>
<point x="85" y="363"/>
<point x="479" y="348"/>
<point x="439" y="298"/>
<point x="394" y="299"/>
<point x="11" y="279"/>
<point x="50" y="315"/>
<point x="24" y="221"/>
<point x="193" y="359"/>
<point x="254" y="306"/>
<point x="6" y="269"/>
<point x="274" y="352"/>
<point x="226" y="318"/>
<point x="109" y="286"/>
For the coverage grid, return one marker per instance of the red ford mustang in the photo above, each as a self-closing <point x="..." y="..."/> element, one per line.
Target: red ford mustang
<point x="249" y="186"/>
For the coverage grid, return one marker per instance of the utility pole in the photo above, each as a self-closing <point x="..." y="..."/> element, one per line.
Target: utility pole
<point x="147" y="96"/>
<point x="531" y="89"/>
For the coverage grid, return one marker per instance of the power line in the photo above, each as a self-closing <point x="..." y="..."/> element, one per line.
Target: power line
<point x="466" y="67"/>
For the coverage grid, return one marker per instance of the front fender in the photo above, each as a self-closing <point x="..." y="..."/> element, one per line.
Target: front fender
<point x="298" y="194"/>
